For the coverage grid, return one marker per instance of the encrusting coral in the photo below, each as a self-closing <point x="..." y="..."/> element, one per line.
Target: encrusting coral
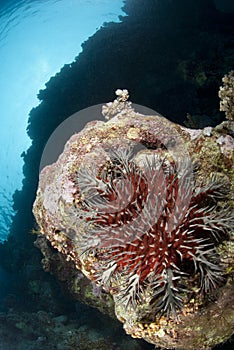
<point x="143" y="208"/>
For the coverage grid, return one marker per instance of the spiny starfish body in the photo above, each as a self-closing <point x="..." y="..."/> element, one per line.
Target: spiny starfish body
<point x="152" y="223"/>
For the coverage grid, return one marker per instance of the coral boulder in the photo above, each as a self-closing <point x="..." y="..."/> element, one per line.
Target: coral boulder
<point x="143" y="207"/>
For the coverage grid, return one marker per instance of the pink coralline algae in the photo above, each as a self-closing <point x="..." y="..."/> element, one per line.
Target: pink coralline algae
<point x="137" y="205"/>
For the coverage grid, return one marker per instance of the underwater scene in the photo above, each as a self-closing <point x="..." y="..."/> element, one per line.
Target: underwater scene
<point x="117" y="174"/>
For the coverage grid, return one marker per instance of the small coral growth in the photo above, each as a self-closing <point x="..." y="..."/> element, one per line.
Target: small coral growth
<point x="226" y="94"/>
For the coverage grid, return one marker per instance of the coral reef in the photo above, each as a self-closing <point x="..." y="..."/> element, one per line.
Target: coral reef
<point x="185" y="49"/>
<point x="144" y="208"/>
<point x="44" y="330"/>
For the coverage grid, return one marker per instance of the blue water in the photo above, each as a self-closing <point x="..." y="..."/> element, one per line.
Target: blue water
<point x="37" y="37"/>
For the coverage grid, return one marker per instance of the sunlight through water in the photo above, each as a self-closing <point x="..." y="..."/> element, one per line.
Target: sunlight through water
<point x="37" y="37"/>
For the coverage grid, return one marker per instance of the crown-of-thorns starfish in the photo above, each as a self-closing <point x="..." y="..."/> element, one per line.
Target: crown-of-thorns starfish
<point x="150" y="221"/>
